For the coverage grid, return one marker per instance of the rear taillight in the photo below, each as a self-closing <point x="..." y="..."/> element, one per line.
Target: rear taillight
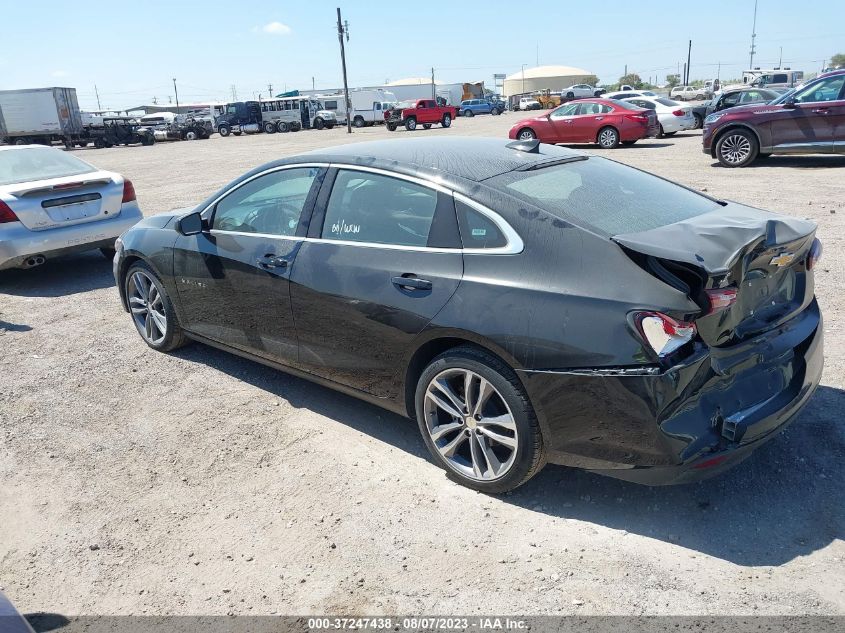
<point x="6" y="214"/>
<point x="679" y="113"/>
<point x="128" y="191"/>
<point x="813" y="256"/>
<point x="639" y="118"/>
<point x="663" y="333"/>
<point x="720" y="299"/>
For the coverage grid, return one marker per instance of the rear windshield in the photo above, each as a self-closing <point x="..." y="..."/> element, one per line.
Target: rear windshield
<point x="667" y="102"/>
<point x="627" y="105"/>
<point x="606" y="196"/>
<point x="39" y="163"/>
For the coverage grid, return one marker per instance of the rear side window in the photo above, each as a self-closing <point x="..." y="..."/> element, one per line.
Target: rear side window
<point x="601" y="194"/>
<point x="365" y="207"/>
<point x="477" y="230"/>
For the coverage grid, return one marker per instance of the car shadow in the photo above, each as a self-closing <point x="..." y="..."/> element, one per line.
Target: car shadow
<point x="43" y="622"/>
<point x="5" y="326"/>
<point x="815" y="161"/>
<point x="59" y="277"/>
<point x="783" y="502"/>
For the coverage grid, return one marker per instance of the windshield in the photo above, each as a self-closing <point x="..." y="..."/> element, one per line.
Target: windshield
<point x="39" y="163"/>
<point x="604" y="195"/>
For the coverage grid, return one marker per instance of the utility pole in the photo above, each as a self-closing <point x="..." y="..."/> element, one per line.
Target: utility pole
<point x="177" y="95"/>
<point x="753" y="37"/>
<point x="780" y="61"/>
<point x="343" y="29"/>
<point x="689" y="54"/>
<point x="234" y="93"/>
<point x="685" y="75"/>
<point x="523" y="79"/>
<point x="99" y="107"/>
<point x="433" y="92"/>
<point x="626" y="71"/>
<point x="270" y="90"/>
<point x="312" y="84"/>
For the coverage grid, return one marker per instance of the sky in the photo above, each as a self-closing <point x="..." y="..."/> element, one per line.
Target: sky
<point x="132" y="51"/>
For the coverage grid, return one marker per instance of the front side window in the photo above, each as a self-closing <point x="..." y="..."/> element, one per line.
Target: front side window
<point x="365" y="207"/>
<point x="270" y="204"/>
<point x="824" y="90"/>
<point x="567" y="110"/>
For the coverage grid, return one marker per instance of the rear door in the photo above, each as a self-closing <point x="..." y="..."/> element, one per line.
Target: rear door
<point x="233" y="279"/>
<point x="382" y="258"/>
<point x="809" y="125"/>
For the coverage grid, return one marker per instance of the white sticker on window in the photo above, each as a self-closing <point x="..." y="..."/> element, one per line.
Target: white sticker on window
<point x="342" y="227"/>
<point x="479" y="232"/>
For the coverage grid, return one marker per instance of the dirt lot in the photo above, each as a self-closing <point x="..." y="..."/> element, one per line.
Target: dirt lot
<point x="200" y="483"/>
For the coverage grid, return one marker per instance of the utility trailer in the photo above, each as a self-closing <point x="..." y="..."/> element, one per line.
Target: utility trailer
<point x="41" y="115"/>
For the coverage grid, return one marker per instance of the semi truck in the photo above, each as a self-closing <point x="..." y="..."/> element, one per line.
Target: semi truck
<point x="41" y="115"/>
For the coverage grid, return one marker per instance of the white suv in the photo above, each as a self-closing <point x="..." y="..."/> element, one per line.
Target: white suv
<point x="687" y="93"/>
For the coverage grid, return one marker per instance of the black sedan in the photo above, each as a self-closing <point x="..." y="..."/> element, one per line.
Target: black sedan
<point x="523" y="303"/>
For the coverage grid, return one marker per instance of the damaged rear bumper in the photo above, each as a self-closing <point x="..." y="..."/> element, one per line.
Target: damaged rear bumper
<point x="687" y="423"/>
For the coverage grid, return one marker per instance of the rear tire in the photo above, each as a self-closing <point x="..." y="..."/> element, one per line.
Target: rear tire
<point x="269" y="127"/>
<point x="391" y="127"/>
<point x="446" y="121"/>
<point x="492" y="457"/>
<point x="150" y="309"/>
<point x="699" y="121"/>
<point x="737" y="148"/>
<point x="358" y="121"/>
<point x="608" y="138"/>
<point x="469" y="113"/>
<point x="570" y="95"/>
<point x="282" y="127"/>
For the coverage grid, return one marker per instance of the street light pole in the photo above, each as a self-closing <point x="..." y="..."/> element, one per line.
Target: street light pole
<point x="177" y="94"/>
<point x="523" y="79"/>
<point x="343" y="29"/>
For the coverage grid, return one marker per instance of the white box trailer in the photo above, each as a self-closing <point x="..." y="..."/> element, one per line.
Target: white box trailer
<point x="41" y="115"/>
<point x="366" y="106"/>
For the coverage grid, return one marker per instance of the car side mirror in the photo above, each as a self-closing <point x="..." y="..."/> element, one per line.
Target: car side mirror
<point x="191" y="224"/>
<point x="790" y="104"/>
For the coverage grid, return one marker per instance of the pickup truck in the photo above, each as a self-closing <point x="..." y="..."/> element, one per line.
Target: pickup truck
<point x="423" y="112"/>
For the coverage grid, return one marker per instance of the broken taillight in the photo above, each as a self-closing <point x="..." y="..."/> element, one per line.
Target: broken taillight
<point x="663" y="333"/>
<point x="815" y="254"/>
<point x="720" y="299"/>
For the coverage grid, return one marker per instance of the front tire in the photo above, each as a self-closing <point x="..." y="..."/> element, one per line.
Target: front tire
<point x="737" y="148"/>
<point x="151" y="309"/>
<point x="224" y="130"/>
<point x="526" y="134"/>
<point x="469" y="113"/>
<point x="411" y="124"/>
<point x="477" y="421"/>
<point x="319" y="123"/>
<point x="446" y="121"/>
<point x="608" y="138"/>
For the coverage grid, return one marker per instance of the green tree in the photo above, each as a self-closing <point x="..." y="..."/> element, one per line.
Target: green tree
<point x="631" y="79"/>
<point x="838" y="60"/>
<point x="673" y="80"/>
<point x="591" y="80"/>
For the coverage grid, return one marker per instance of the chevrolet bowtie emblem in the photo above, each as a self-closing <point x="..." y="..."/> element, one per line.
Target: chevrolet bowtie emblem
<point x="782" y="260"/>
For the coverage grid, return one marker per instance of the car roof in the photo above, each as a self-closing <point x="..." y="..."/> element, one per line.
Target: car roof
<point x="473" y="159"/>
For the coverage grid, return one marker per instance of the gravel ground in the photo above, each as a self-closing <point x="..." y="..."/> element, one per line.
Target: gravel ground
<point x="201" y="483"/>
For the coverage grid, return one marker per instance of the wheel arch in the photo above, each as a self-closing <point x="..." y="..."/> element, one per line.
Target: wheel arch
<point x="124" y="265"/>
<point x="609" y="125"/>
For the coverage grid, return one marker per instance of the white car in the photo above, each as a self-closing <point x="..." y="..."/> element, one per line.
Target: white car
<point x="529" y="103"/>
<point x="53" y="203"/>
<point x="672" y="116"/>
<point x="579" y="91"/>
<point x="626" y="94"/>
<point x="687" y="93"/>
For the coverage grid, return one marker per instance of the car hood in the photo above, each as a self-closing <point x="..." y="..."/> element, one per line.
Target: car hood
<point x="161" y="220"/>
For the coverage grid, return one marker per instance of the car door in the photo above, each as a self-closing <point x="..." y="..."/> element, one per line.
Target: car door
<point x="562" y="124"/>
<point x="587" y="121"/>
<point x="806" y="122"/>
<point x="233" y="278"/>
<point x="382" y="258"/>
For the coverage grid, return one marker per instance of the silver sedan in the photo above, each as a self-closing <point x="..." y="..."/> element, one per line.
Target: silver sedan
<point x="53" y="203"/>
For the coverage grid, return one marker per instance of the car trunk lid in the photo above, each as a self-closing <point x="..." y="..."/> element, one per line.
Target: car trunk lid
<point x="65" y="201"/>
<point x="759" y="255"/>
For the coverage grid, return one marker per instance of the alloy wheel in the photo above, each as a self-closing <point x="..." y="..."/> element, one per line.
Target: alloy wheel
<point x="147" y="306"/>
<point x="526" y="135"/>
<point x="736" y="149"/>
<point x="470" y="424"/>
<point x="607" y="138"/>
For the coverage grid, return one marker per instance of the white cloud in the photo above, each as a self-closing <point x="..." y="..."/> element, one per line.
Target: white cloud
<point x="276" y="28"/>
<point x="58" y="74"/>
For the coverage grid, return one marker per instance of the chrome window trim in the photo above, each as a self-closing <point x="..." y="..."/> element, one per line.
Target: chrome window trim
<point x="514" y="245"/>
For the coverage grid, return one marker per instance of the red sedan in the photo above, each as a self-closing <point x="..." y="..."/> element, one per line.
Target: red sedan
<point x="607" y="122"/>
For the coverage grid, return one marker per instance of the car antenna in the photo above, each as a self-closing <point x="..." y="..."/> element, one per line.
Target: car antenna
<point x="530" y="146"/>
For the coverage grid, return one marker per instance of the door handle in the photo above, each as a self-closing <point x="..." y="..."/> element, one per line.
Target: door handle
<point x="411" y="283"/>
<point x="272" y="261"/>
<point x="599" y="118"/>
<point x="821" y="111"/>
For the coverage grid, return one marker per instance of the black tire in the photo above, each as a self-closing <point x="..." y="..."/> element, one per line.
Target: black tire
<point x="660" y="133"/>
<point x="427" y="126"/>
<point x="174" y="337"/>
<point x="319" y="124"/>
<point x="699" y="121"/>
<point x="269" y="127"/>
<point x="295" y="126"/>
<point x="108" y="253"/>
<point x="391" y="127"/>
<point x="570" y="95"/>
<point x="282" y="127"/>
<point x="526" y="134"/>
<point x="529" y="455"/>
<point x="224" y="130"/>
<point x="608" y="137"/>
<point x="329" y="126"/>
<point x="191" y="135"/>
<point x="99" y="143"/>
<point x="469" y="113"/>
<point x="22" y="141"/>
<point x="446" y="121"/>
<point x="495" y="112"/>
<point x="737" y="147"/>
<point x="410" y="124"/>
<point x="358" y="121"/>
